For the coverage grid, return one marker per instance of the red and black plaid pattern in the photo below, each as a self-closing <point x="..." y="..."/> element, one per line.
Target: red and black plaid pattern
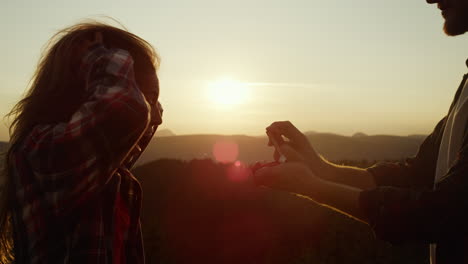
<point x="75" y="203"/>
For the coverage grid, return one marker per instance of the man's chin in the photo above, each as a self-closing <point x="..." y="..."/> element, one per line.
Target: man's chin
<point x="455" y="28"/>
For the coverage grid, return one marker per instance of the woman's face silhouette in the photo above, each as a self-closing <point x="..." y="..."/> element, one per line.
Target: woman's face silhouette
<point x="150" y="88"/>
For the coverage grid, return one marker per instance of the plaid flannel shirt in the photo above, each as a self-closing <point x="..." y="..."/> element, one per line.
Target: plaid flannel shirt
<point x="74" y="201"/>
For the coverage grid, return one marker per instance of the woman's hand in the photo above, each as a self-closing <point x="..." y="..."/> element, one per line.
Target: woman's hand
<point x="85" y="46"/>
<point x="82" y="49"/>
<point x="97" y="39"/>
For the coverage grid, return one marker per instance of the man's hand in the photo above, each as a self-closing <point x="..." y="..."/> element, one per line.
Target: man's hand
<point x="299" y="149"/>
<point x="296" y="140"/>
<point x="295" y="177"/>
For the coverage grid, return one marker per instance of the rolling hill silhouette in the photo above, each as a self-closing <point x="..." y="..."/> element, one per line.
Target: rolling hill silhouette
<point x="252" y="149"/>
<point x="206" y="212"/>
<point x="199" y="211"/>
<point x="164" y="133"/>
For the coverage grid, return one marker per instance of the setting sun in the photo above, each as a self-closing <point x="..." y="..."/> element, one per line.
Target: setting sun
<point x="228" y="92"/>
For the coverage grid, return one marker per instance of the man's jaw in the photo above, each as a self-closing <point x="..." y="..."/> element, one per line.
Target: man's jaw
<point x="441" y="6"/>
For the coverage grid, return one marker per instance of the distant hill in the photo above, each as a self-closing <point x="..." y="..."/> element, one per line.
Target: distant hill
<point x="252" y="149"/>
<point x="164" y="133"/>
<point x="359" y="134"/>
<point x="310" y="132"/>
<point x="421" y="137"/>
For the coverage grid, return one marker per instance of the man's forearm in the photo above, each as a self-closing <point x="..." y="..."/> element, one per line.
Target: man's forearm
<point x="340" y="197"/>
<point x="352" y="176"/>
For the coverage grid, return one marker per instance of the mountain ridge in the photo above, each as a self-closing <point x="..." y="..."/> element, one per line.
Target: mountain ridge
<point x="254" y="148"/>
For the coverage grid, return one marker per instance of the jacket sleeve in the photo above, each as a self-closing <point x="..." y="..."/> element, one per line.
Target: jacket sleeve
<point x="409" y="215"/>
<point x="75" y="159"/>
<point x="416" y="172"/>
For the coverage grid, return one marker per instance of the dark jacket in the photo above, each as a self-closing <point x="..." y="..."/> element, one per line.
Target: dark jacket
<point x="405" y="207"/>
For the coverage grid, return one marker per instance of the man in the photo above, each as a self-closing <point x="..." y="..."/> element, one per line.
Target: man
<point x="424" y="199"/>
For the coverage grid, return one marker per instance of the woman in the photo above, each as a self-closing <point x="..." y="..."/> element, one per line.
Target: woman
<point x="91" y="109"/>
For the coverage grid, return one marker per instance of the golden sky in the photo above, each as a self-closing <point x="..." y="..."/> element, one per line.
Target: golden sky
<point x="233" y="67"/>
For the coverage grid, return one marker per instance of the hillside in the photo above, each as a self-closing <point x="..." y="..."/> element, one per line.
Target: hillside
<point x="203" y="212"/>
<point x="164" y="133"/>
<point x="251" y="149"/>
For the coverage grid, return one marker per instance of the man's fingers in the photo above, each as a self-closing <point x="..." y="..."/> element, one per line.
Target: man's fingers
<point x="271" y="176"/>
<point x="276" y="155"/>
<point x="286" y="176"/>
<point x="275" y="138"/>
<point x="285" y="126"/>
<point x="264" y="176"/>
<point x="291" y="154"/>
<point x="287" y="129"/>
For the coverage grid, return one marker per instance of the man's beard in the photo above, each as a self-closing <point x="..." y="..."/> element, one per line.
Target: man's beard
<point x="456" y="25"/>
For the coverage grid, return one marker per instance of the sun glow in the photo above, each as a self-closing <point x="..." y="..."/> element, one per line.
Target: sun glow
<point x="228" y="92"/>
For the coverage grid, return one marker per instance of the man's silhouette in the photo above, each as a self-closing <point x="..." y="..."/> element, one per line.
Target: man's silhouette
<point x="424" y="199"/>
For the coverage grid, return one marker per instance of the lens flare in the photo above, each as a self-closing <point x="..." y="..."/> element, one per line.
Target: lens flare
<point x="225" y="151"/>
<point x="238" y="172"/>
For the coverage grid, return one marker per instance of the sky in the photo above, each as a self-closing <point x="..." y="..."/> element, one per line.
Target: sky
<point x="233" y="67"/>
